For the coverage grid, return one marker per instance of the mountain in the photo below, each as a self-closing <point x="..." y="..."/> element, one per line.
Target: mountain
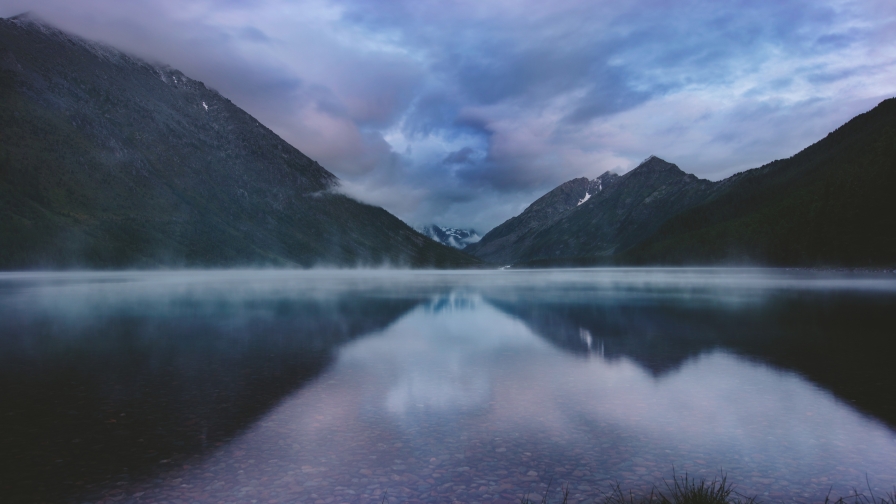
<point x="457" y="238"/>
<point x="109" y="161"/>
<point x="595" y="218"/>
<point x="507" y="242"/>
<point x="829" y="205"/>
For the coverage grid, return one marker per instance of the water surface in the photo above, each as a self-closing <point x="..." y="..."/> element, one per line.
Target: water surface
<point x="343" y="386"/>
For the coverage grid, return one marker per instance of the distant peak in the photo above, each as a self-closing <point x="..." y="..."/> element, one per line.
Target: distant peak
<point x="572" y="182"/>
<point x="453" y="237"/>
<point x="654" y="163"/>
<point x="28" y="18"/>
<point x="25" y="16"/>
<point x="31" y="21"/>
<point x="654" y="160"/>
<point x="605" y="176"/>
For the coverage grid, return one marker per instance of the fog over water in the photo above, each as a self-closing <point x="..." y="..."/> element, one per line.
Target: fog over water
<point x="476" y="386"/>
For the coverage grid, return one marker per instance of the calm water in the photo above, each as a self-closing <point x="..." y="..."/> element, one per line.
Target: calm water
<point x="345" y="386"/>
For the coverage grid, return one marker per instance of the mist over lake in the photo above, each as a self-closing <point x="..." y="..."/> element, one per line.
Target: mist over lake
<point x="481" y="386"/>
<point x="349" y="252"/>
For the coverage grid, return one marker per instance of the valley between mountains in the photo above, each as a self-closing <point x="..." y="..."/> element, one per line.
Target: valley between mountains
<point x="107" y="161"/>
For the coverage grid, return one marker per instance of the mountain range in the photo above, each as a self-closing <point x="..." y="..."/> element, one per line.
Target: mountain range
<point x="109" y="161"/>
<point x="831" y="204"/>
<point x="457" y="238"/>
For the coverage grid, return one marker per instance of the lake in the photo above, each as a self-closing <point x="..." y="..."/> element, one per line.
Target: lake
<point x="448" y="386"/>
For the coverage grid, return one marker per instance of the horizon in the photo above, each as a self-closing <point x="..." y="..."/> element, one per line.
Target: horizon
<point x="689" y="200"/>
<point x="463" y="117"/>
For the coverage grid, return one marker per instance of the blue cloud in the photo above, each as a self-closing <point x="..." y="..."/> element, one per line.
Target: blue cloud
<point x="476" y="106"/>
<point x="460" y="157"/>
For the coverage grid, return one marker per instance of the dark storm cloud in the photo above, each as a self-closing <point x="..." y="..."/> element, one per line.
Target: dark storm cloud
<point x="461" y="112"/>
<point x="431" y="113"/>
<point x="462" y="156"/>
<point x="606" y="60"/>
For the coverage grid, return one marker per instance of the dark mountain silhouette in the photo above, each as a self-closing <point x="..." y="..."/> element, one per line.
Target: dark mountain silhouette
<point x="109" y="161"/>
<point x="829" y="205"/>
<point x="807" y="332"/>
<point x="596" y="218"/>
<point x="508" y="242"/>
<point x="118" y="395"/>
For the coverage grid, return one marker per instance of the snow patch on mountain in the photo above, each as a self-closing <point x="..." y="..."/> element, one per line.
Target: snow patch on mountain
<point x="457" y="238"/>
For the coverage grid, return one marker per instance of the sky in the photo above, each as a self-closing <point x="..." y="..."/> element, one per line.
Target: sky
<point x="463" y="112"/>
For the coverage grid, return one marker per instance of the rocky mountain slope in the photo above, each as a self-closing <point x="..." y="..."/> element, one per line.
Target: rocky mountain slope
<point x="829" y="205"/>
<point x="109" y="161"/>
<point x="596" y="218"/>
<point x="457" y="238"/>
<point x="507" y="242"/>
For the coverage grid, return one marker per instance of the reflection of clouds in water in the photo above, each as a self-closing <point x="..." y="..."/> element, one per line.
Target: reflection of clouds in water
<point x="458" y="357"/>
<point x="455" y="374"/>
<point x="451" y="389"/>
<point x="720" y="401"/>
<point x="455" y="380"/>
<point x="436" y="357"/>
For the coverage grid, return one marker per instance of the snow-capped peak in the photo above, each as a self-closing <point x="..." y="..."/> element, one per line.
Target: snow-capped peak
<point x="453" y="237"/>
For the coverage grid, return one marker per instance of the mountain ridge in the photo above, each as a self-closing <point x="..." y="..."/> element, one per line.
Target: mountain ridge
<point x="590" y="217"/>
<point x="109" y="161"/>
<point x="827" y="205"/>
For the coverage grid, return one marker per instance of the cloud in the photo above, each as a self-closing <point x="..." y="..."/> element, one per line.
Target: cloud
<point x="462" y="156"/>
<point x="461" y="112"/>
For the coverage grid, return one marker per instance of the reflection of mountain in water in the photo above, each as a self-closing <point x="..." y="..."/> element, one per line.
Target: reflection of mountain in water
<point x="841" y="341"/>
<point x="108" y="372"/>
<point x="436" y="358"/>
<point x="652" y="336"/>
<point x="451" y="302"/>
<point x="114" y="396"/>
